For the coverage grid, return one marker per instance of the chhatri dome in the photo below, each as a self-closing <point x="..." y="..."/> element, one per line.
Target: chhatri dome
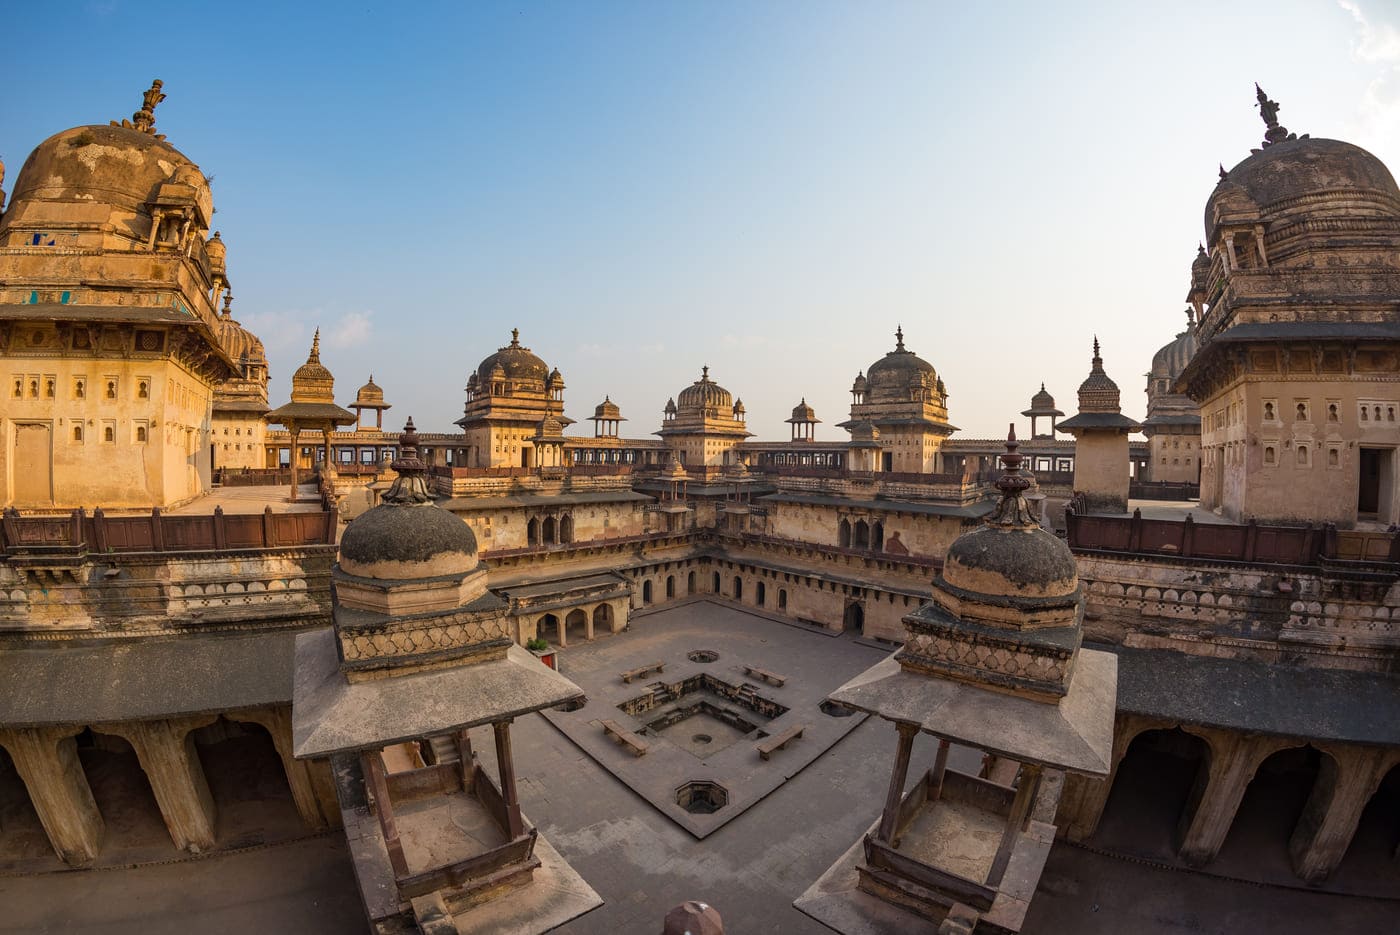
<point x="891" y="378"/>
<point x="514" y="362"/>
<point x="704" y="395"/>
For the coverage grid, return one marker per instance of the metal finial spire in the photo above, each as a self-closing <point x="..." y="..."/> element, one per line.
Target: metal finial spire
<point x="315" y="348"/>
<point x="515" y="337"/>
<point x="899" y="337"/>
<point x="1013" y="509"/>
<point x="705" y="372"/>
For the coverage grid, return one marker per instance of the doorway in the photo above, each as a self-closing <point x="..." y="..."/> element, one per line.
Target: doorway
<point x="33" y="450"/>
<point x="1373" y="492"/>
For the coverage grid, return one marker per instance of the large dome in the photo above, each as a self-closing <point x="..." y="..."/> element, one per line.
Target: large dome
<point x="1170" y="360"/>
<point x="704" y="393"/>
<point x="516" y="362"/>
<point x="1306" y="168"/>
<point x="899" y="371"/>
<point x="118" y="166"/>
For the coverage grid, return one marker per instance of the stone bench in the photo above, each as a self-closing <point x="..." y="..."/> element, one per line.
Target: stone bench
<point x="642" y="671"/>
<point x="637" y="745"/>
<point x="767" y="748"/>
<point x="772" y="678"/>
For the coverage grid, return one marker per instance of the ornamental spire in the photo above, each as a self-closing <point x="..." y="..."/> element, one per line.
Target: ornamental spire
<point x="1013" y="510"/>
<point x="899" y="337"/>
<point x="1268" y="112"/>
<point x="410" y="486"/>
<point x="145" y="118"/>
<point x="315" y="355"/>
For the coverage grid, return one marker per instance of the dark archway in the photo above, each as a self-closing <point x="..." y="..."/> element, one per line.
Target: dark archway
<point x="646" y="591"/>
<point x="717" y="588"/>
<point x="1369" y="860"/>
<point x="549" y="531"/>
<point x="247" y="780"/>
<point x="566" y="529"/>
<point x="1271" y="807"/>
<point x="602" y="617"/>
<point x="532" y="531"/>
<point x="548" y="628"/>
<point x="854" y="619"/>
<point x="861" y="538"/>
<point x="761" y="594"/>
<point x="843" y="535"/>
<point x="21" y="831"/>
<point x="1155" y="792"/>
<point x="576" y="623"/>
<point x="738" y="588"/>
<point x="877" y="537"/>
<point x="690" y="583"/>
<point x="670" y="586"/>
<point x="782" y="598"/>
<point x="121" y="790"/>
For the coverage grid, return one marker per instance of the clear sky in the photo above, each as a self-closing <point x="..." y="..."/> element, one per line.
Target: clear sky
<point x="765" y="187"/>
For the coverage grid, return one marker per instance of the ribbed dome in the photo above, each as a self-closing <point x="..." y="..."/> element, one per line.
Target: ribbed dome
<point x="117" y="166"/>
<point x="892" y="377"/>
<point x="1172" y="358"/>
<point x="515" y="362"/>
<point x="238" y="342"/>
<point x="369" y="394"/>
<point x="803" y="412"/>
<point x="1098" y="393"/>
<point x="703" y="394"/>
<point x="607" y="409"/>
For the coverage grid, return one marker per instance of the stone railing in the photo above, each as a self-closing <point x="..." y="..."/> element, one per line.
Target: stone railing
<point x="79" y="533"/>
<point x="1250" y="543"/>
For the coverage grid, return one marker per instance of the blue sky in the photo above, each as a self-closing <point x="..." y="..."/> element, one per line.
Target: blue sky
<point x="765" y="187"/>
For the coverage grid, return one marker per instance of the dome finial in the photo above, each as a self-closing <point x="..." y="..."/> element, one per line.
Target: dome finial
<point x="515" y="337"/>
<point x="705" y="372"/>
<point x="145" y="118"/>
<point x="315" y="355"/>
<point x="1097" y="359"/>
<point x="1013" y="509"/>
<point x="1223" y="173"/>
<point x="1268" y="111"/>
<point x="899" y="337"/>
<point x="410" y="486"/>
<point x="228" y="302"/>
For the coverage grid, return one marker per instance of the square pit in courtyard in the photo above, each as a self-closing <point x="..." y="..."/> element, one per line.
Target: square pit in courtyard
<point x="691" y="736"/>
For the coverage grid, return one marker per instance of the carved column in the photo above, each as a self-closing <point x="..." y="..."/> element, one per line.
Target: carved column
<point x="278" y="722"/>
<point x="47" y="760"/>
<point x="1328" y="823"/>
<point x="166" y="751"/>
<point x="1232" y="767"/>
<point x="889" y="818"/>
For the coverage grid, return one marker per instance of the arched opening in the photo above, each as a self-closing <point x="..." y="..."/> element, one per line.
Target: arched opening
<point x="576" y="624"/>
<point x="1155" y="792"/>
<point x="782" y="598"/>
<point x="1272" y="804"/>
<point x="760" y="594"/>
<point x="548" y="628"/>
<point x="670" y="586"/>
<point x="121" y="790"/>
<point x="843" y="535"/>
<point x="566" y="529"/>
<point x="549" y="531"/>
<point x="21" y="831"/>
<point x="854" y="619"/>
<point x="738" y="588"/>
<point x="862" y="535"/>
<point x="690" y="583"/>
<point x="532" y="531"/>
<point x="247" y="780"/>
<point x="877" y="537"/>
<point x="602" y="618"/>
<point x="646" y="591"/>
<point x="1369" y="861"/>
<point x="716" y="587"/>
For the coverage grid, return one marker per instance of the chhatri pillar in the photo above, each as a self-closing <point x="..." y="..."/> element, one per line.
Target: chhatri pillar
<point x="994" y="663"/>
<point x="1101" y="463"/>
<point x="421" y="649"/>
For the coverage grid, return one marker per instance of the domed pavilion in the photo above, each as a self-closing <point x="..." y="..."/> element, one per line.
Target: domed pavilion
<point x="508" y="396"/>
<point x="421" y="651"/>
<point x="705" y="424"/>
<point x="993" y="662"/>
<point x="904" y="398"/>
<point x="1295" y="295"/>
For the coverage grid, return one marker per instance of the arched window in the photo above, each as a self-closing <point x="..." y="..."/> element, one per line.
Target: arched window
<point x="716" y="588"/>
<point x="690" y="583"/>
<point x="1269" y="454"/>
<point x="670" y="586"/>
<point x="140" y="433"/>
<point x="111" y="389"/>
<point x="143" y="390"/>
<point x="1303" y="455"/>
<point x="762" y="594"/>
<point x="549" y="531"/>
<point x="77" y="433"/>
<point x="782" y="598"/>
<point x="532" y="531"/>
<point x="844" y="534"/>
<point x="566" y="528"/>
<point x="877" y="537"/>
<point x="49" y="388"/>
<point x="862" y="535"/>
<point x="109" y="434"/>
<point x="646" y="591"/>
<point x="738" y="588"/>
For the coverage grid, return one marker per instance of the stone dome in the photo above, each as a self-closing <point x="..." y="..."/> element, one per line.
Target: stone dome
<point x="803" y="412"/>
<point x="1098" y="393"/>
<point x="608" y="409"/>
<point x="1015" y="562"/>
<point x="407" y="536"/>
<point x="1172" y="358"/>
<point x="312" y="382"/>
<point x="400" y="541"/>
<point x="704" y="394"/>
<point x="117" y="166"/>
<point x="238" y="342"/>
<point x="894" y="375"/>
<point x="1329" y="174"/>
<point x="371" y="394"/>
<point x="515" y="362"/>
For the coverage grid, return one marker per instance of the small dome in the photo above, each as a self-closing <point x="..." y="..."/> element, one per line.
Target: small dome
<point x="803" y="412"/>
<point x="514" y="362"/>
<point x="312" y="382"/>
<point x="370" y="394"/>
<point x="407" y="536"/>
<point x="608" y="409"/>
<point x="549" y="427"/>
<point x="555" y="377"/>
<point x="670" y="406"/>
<point x="1021" y="562"/>
<point x="860" y="383"/>
<point x="739" y="407"/>
<point x="1042" y="404"/>
<point x="1098" y="393"/>
<point x="238" y="342"/>
<point x="704" y="394"/>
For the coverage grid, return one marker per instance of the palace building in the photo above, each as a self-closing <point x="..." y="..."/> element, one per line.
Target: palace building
<point x="1099" y="633"/>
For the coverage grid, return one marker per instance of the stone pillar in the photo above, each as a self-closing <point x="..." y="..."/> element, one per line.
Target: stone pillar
<point x="588" y="625"/>
<point x="889" y="818"/>
<point x="278" y="722"/>
<point x="1233" y="762"/>
<point x="505" y="767"/>
<point x="1328" y="823"/>
<point x="619" y="616"/>
<point x="1085" y="798"/>
<point x="166" y="751"/>
<point x="46" y="758"/>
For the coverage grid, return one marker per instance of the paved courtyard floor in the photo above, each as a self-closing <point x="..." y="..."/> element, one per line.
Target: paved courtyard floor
<point x="642" y="863"/>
